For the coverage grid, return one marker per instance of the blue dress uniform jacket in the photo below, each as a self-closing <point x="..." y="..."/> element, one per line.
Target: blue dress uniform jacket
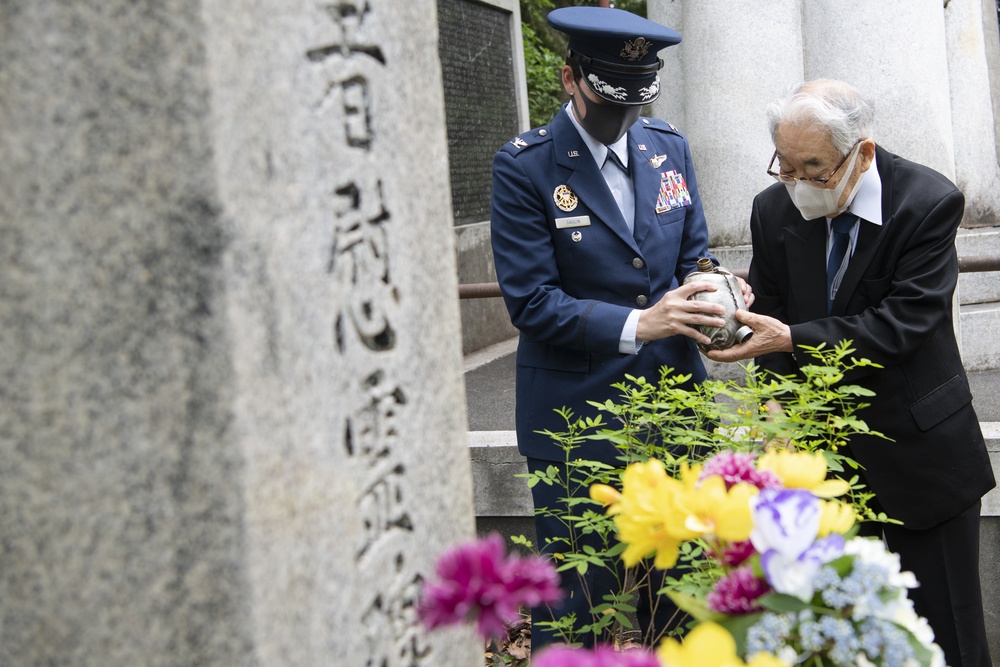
<point x="571" y="274"/>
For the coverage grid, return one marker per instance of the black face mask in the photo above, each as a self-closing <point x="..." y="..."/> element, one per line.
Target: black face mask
<point x="607" y="122"/>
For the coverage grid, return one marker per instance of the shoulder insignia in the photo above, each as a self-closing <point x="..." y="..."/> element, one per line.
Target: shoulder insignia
<point x="529" y="138"/>
<point x="657" y="124"/>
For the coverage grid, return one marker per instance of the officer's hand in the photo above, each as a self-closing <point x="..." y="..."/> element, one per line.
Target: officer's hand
<point x="769" y="335"/>
<point x="674" y="314"/>
<point x="748" y="296"/>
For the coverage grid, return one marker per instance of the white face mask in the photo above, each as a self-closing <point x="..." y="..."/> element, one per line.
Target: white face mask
<point x="814" y="202"/>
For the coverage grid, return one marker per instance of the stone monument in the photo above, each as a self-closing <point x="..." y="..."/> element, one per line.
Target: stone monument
<point x="231" y="410"/>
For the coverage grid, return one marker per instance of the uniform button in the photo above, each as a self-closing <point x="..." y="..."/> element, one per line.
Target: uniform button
<point x="542" y="133"/>
<point x="638" y="263"/>
<point x="641" y="300"/>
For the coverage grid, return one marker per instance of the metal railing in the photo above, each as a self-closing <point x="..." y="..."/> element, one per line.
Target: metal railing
<point x="969" y="264"/>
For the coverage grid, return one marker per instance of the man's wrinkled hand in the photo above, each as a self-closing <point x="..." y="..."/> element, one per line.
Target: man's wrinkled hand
<point x="769" y="335"/>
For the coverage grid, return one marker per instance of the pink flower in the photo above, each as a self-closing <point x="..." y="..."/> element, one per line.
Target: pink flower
<point x="476" y="581"/>
<point x="736" y="467"/>
<point x="737" y="592"/>
<point x="735" y="553"/>
<point x="599" y="656"/>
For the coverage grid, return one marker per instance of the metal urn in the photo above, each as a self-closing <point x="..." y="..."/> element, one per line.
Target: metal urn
<point x="729" y="295"/>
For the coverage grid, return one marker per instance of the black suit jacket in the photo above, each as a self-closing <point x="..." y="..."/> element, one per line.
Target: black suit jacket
<point x="895" y="304"/>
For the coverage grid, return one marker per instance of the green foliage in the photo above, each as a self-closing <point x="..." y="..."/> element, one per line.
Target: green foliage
<point x="678" y="425"/>
<point x="541" y="64"/>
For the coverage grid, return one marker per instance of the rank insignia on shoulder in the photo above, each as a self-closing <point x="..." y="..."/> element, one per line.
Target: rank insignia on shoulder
<point x="673" y="127"/>
<point x="657" y="160"/>
<point x="518" y="142"/>
<point x="565" y="198"/>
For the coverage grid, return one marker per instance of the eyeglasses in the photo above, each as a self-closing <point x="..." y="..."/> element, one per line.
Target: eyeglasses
<point x="785" y="178"/>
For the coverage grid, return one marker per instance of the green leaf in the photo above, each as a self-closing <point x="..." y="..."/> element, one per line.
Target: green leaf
<point x="696" y="607"/>
<point x="738" y="625"/>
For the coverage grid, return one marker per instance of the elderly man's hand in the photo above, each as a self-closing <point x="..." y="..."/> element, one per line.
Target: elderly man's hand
<point x="769" y="335"/>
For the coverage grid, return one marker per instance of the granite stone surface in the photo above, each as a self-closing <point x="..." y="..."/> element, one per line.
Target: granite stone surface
<point x="231" y="402"/>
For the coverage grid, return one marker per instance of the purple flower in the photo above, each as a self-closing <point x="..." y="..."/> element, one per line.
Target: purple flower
<point x="737" y="592"/>
<point x="786" y="522"/>
<point x="736" y="467"/>
<point x="476" y="581"/>
<point x="599" y="656"/>
<point x="795" y="576"/>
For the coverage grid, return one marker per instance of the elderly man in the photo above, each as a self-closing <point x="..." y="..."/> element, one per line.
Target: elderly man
<point x="856" y="243"/>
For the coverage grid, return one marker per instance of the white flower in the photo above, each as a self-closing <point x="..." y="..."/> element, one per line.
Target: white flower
<point x="863" y="661"/>
<point x="787" y="655"/>
<point x="873" y="551"/>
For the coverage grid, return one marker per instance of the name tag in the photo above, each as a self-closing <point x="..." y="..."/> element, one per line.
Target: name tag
<point x="569" y="223"/>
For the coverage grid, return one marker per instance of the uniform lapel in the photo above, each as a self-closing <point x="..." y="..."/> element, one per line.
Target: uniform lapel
<point x="586" y="179"/>
<point x="646" y="180"/>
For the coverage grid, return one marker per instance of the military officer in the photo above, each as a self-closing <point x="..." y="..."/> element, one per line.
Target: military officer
<point x="595" y="222"/>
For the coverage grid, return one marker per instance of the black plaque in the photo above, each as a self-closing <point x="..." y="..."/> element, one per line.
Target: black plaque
<point x="480" y="98"/>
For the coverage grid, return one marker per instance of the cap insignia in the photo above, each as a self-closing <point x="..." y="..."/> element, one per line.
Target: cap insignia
<point x="565" y="198"/>
<point x="635" y="49"/>
<point x="602" y="86"/>
<point x="651" y="91"/>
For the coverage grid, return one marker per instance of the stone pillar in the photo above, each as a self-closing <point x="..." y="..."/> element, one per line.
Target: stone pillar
<point x="231" y="414"/>
<point x="971" y="32"/>
<point x="895" y="52"/>
<point x="730" y="72"/>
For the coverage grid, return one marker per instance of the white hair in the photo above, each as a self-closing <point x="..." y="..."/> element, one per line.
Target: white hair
<point x="834" y="105"/>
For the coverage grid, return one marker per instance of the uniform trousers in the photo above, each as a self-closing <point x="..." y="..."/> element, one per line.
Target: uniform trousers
<point x="655" y="613"/>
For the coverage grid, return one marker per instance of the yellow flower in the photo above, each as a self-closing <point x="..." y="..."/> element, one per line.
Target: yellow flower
<point x="647" y="515"/>
<point x="802" y="470"/>
<point x="712" y="510"/>
<point x="835" y="517"/>
<point x="762" y="659"/>
<point x="708" y="645"/>
<point x="606" y="495"/>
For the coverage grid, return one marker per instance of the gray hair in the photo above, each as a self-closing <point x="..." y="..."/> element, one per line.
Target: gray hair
<point x="843" y="111"/>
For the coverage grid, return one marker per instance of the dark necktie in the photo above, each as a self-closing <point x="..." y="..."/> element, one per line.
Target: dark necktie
<point x="840" y="227"/>
<point x="613" y="157"/>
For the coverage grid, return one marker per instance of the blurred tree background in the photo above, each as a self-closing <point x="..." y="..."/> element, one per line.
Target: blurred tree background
<point x="545" y="52"/>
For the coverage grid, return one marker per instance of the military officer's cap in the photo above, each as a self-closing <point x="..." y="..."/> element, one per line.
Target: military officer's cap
<point x="617" y="51"/>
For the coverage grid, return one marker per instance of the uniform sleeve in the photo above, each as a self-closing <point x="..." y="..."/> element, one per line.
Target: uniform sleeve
<point x="539" y="304"/>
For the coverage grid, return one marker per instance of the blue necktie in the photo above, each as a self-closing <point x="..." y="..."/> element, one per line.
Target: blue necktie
<point x="841" y="228"/>
<point x="617" y="160"/>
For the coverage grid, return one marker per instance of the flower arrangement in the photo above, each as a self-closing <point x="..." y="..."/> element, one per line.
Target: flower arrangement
<point x="717" y="484"/>
<point x="790" y="585"/>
